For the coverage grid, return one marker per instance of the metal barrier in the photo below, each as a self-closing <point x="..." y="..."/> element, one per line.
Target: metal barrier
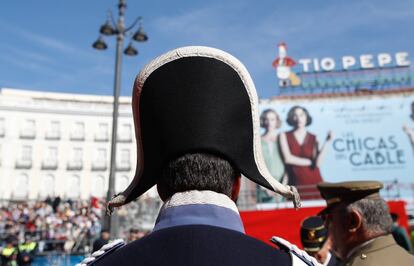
<point x="52" y="253"/>
<point x="140" y="214"/>
<point x="57" y="260"/>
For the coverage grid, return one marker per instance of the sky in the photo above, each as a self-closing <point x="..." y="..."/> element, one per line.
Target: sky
<point x="46" y="44"/>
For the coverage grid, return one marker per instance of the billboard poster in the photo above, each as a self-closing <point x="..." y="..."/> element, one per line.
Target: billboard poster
<point x="338" y="138"/>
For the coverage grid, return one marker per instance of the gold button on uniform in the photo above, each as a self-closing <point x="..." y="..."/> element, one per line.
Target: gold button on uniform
<point x="363" y="256"/>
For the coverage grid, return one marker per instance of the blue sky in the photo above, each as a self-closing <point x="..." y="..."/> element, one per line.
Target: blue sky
<point x="46" y="45"/>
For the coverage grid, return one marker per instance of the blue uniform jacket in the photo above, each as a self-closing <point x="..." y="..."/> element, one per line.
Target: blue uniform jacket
<point x="197" y="234"/>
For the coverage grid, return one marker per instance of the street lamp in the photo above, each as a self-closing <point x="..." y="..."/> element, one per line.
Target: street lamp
<point x="118" y="29"/>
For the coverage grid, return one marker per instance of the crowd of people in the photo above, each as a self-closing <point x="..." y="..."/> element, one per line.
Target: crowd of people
<point x="49" y="225"/>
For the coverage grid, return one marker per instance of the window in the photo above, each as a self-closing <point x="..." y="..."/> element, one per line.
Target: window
<point x="100" y="160"/>
<point x="28" y="130"/>
<point x="102" y="134"/>
<point x="54" y="130"/>
<point x="73" y="187"/>
<point x="2" y="127"/>
<point x="47" y="186"/>
<point x="98" y="188"/>
<point x="78" y="132"/>
<point x="121" y="183"/>
<point x="21" y="188"/>
<point x="25" y="157"/>
<point x="27" y="153"/>
<point x="75" y="162"/>
<point x="124" y="163"/>
<point x="50" y="160"/>
<point x="124" y="135"/>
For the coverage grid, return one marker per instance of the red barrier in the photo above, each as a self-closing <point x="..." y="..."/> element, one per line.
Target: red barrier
<point x="285" y="223"/>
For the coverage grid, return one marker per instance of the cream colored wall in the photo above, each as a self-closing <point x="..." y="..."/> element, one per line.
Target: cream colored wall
<point x="17" y="106"/>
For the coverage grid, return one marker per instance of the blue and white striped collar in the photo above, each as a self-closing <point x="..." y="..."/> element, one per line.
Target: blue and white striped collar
<point x="199" y="207"/>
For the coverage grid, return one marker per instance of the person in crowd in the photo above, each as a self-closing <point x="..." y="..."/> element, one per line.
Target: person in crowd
<point x="301" y="153"/>
<point x="315" y="241"/>
<point x="195" y="114"/>
<point x="359" y="224"/>
<point x="102" y="240"/>
<point x="135" y="234"/>
<point x="48" y="200"/>
<point x="270" y="122"/>
<point x="400" y="234"/>
<point x="55" y="203"/>
<point x="9" y="252"/>
<point x="26" y="251"/>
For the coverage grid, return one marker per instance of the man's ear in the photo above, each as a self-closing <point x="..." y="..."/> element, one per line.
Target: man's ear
<point x="355" y="221"/>
<point x="236" y="189"/>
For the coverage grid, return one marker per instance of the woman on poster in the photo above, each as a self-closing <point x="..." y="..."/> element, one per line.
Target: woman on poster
<point x="270" y="122"/>
<point x="301" y="153"/>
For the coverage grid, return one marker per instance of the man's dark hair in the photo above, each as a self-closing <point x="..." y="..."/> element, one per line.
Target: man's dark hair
<point x="291" y="121"/>
<point x="197" y="171"/>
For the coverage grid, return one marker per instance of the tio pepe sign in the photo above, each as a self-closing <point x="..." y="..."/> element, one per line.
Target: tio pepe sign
<point x="365" y="61"/>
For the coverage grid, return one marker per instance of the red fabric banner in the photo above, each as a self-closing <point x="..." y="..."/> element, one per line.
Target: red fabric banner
<point x="286" y="223"/>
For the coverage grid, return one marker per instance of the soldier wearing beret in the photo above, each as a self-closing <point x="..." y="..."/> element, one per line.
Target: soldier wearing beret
<point x="359" y="223"/>
<point x="315" y="240"/>
<point x="197" y="129"/>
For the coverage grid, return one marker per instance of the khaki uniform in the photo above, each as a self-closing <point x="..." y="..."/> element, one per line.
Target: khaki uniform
<point x="381" y="251"/>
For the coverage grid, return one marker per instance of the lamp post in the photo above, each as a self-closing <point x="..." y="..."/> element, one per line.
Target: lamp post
<point x="118" y="29"/>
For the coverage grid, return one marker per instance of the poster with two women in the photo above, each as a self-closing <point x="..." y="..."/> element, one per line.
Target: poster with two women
<point x="307" y="140"/>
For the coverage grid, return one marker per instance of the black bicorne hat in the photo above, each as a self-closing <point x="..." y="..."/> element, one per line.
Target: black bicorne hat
<point x="196" y="99"/>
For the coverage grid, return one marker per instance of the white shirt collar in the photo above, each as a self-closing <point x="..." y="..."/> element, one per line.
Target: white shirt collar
<point x="200" y="197"/>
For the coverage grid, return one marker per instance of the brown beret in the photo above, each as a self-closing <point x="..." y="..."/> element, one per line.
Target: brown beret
<point x="348" y="192"/>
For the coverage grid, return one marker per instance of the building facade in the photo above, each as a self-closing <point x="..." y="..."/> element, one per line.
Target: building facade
<point x="56" y="144"/>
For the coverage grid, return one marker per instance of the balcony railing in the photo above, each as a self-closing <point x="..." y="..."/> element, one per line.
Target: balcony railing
<point x="28" y="134"/>
<point x="99" y="166"/>
<point x="53" y="135"/>
<point x="101" y="137"/>
<point x="123" y="166"/>
<point x="24" y="164"/>
<point x="74" y="165"/>
<point x="49" y="165"/>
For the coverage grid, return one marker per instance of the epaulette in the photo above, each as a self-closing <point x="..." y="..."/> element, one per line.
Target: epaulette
<point x="299" y="257"/>
<point x="105" y="250"/>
